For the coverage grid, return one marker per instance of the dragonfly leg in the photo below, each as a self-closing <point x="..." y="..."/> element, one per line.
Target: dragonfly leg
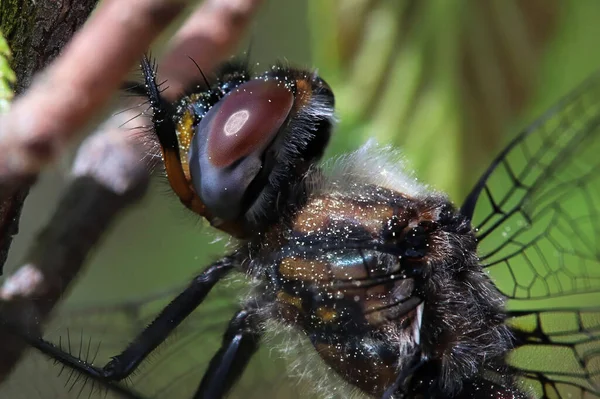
<point x="123" y="364"/>
<point x="240" y="342"/>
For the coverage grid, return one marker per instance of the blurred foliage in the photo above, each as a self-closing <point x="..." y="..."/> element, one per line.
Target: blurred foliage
<point x="7" y="76"/>
<point x="438" y="78"/>
<point x="449" y="81"/>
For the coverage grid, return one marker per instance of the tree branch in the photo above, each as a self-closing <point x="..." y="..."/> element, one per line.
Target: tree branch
<point x="81" y="81"/>
<point x="108" y="174"/>
<point x="78" y="84"/>
<point x="35" y="33"/>
<point x="107" y="177"/>
<point x="210" y="35"/>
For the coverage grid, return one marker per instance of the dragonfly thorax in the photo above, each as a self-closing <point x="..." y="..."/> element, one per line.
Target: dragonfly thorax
<point x="376" y="278"/>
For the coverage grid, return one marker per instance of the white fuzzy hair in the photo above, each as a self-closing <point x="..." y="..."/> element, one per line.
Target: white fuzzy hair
<point x="373" y="164"/>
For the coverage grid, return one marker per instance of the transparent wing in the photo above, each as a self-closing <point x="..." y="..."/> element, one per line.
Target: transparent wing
<point x="536" y="209"/>
<point x="558" y="354"/>
<point x="537" y="215"/>
<point x="173" y="371"/>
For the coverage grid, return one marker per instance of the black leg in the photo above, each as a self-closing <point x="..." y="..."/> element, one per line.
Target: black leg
<point x="99" y="383"/>
<point x="240" y="342"/>
<point x="122" y="365"/>
<point x="171" y="316"/>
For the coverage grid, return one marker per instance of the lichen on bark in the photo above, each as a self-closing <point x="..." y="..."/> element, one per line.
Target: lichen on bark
<point x="7" y="76"/>
<point x="37" y="31"/>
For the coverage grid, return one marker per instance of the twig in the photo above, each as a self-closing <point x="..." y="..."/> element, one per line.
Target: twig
<point x="209" y="35"/>
<point x="108" y="174"/>
<point x="10" y="214"/>
<point x="36" y="32"/>
<point x="107" y="177"/>
<point x="75" y="87"/>
<point x="78" y="84"/>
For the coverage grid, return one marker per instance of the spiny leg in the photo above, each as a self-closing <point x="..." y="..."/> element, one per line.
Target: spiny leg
<point x="99" y="383"/>
<point x="240" y="343"/>
<point x="122" y="365"/>
<point x="166" y="131"/>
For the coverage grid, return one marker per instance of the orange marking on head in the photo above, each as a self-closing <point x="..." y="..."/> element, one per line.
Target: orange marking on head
<point x="303" y="93"/>
<point x="181" y="185"/>
<point x="179" y="182"/>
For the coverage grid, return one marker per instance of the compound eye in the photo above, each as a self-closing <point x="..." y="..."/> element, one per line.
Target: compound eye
<point x="247" y="120"/>
<point x="227" y="149"/>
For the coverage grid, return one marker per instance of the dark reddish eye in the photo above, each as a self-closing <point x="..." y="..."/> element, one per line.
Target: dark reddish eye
<point x="247" y="120"/>
<point x="228" y="148"/>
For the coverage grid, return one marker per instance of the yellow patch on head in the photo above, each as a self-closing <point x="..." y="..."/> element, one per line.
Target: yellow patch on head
<point x="185" y="132"/>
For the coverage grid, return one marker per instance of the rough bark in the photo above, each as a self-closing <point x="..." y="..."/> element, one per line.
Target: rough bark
<point x="36" y="32"/>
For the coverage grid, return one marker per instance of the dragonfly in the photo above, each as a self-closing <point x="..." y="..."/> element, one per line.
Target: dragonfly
<point x="375" y="284"/>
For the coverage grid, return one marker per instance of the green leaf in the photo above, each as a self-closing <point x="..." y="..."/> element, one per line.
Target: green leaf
<point x="7" y="76"/>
